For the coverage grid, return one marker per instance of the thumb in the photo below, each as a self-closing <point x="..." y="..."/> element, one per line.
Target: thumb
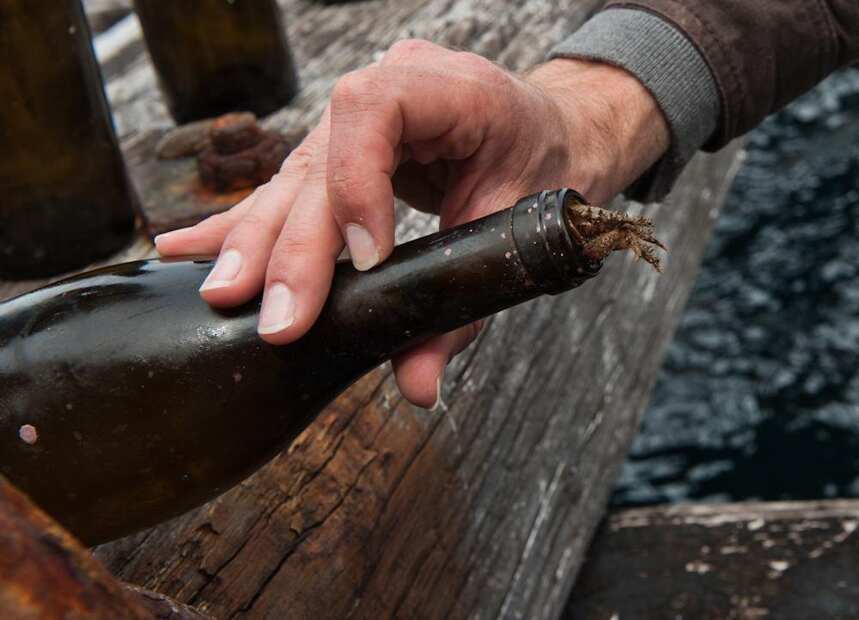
<point x="420" y="371"/>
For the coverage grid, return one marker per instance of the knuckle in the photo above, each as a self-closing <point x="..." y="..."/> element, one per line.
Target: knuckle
<point x="343" y="187"/>
<point x="259" y="192"/>
<point x="484" y="69"/>
<point x="351" y="86"/>
<point x="251" y="225"/>
<point x="316" y="173"/>
<point x="406" y="49"/>
<point x="296" y="163"/>
<point x="265" y="192"/>
<point x="291" y="244"/>
<point x="247" y="204"/>
<point x="354" y="89"/>
<point x="476" y="61"/>
<point x="341" y="165"/>
<point x="217" y="221"/>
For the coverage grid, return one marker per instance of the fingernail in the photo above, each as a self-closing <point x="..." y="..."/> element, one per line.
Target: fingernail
<point x="224" y="272"/>
<point x="278" y="309"/>
<point x="438" y="401"/>
<point x="160" y="238"/>
<point x="362" y="247"/>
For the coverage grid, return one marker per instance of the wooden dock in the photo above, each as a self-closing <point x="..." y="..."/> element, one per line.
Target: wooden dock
<point x="748" y="561"/>
<point x="381" y="509"/>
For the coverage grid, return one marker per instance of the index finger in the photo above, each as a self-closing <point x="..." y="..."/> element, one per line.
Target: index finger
<point x="375" y="113"/>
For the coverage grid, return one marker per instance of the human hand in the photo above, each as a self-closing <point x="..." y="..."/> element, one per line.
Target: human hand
<point x="448" y="132"/>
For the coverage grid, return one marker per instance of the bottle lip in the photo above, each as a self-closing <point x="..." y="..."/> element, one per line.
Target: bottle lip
<point x="548" y="247"/>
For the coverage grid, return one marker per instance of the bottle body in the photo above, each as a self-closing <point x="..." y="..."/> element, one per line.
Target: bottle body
<point x="66" y="198"/>
<point x="122" y="388"/>
<point x="219" y="56"/>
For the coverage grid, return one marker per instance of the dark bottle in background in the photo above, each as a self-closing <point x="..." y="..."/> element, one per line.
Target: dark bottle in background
<point x="65" y="199"/>
<point x="218" y="56"/>
<point x="125" y="399"/>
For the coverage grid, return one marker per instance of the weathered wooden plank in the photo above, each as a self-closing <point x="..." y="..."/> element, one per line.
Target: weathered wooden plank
<point x="382" y="509"/>
<point x="46" y="573"/>
<point x="162" y="607"/>
<point x="785" y="560"/>
<point x="480" y="509"/>
<point x="484" y="507"/>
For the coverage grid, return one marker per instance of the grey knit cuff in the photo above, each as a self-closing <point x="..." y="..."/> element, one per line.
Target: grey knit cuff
<point x="670" y="67"/>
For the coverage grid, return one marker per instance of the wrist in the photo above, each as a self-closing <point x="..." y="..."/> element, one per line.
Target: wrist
<point x="611" y="117"/>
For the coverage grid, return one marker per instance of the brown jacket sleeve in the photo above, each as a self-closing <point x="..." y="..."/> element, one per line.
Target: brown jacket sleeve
<point x="762" y="53"/>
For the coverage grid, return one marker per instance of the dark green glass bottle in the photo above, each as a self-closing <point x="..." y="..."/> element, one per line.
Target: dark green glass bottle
<point x="125" y="399"/>
<point x="66" y="200"/>
<point x="218" y="56"/>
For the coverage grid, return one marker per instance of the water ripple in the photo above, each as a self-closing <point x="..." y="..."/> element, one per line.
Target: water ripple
<point x="759" y="394"/>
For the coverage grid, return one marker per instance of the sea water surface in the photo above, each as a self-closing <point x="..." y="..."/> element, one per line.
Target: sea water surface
<point x="759" y="394"/>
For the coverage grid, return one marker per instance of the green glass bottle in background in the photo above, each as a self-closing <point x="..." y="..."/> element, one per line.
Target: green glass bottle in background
<point x="218" y="56"/>
<point x="66" y="200"/>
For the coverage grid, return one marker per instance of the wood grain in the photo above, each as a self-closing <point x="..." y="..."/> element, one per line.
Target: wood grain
<point x="46" y="573"/>
<point x="785" y="560"/>
<point x="482" y="508"/>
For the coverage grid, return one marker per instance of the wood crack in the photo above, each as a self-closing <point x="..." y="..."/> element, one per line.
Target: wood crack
<point x="544" y="509"/>
<point x="457" y="516"/>
<point x="359" y="590"/>
<point x="299" y="539"/>
<point x="303" y="484"/>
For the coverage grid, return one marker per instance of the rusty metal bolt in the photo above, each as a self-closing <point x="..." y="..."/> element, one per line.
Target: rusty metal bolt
<point x="234" y="132"/>
<point x="241" y="154"/>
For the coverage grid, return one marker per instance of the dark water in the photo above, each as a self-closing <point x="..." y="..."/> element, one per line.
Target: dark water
<point x="759" y="394"/>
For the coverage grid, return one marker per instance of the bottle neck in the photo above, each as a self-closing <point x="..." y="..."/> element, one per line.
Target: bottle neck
<point x="548" y="249"/>
<point x="441" y="282"/>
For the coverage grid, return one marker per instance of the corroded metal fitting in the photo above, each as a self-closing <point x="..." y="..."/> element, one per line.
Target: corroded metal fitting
<point x="240" y="153"/>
